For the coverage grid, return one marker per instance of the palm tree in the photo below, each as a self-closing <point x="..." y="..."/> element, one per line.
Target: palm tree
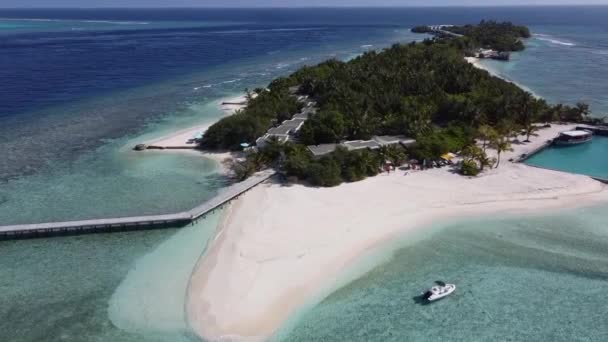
<point x="486" y="133"/>
<point x="582" y="110"/>
<point x="507" y="129"/>
<point x="501" y="144"/>
<point x="392" y="153"/>
<point x="471" y="152"/>
<point x="557" y="113"/>
<point x="529" y="109"/>
<point x="248" y="95"/>
<point x="484" y="161"/>
<point x="531" y="130"/>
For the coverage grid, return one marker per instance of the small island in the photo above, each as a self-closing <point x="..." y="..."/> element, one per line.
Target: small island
<point x="409" y="104"/>
<point x="362" y="147"/>
<point x="488" y="39"/>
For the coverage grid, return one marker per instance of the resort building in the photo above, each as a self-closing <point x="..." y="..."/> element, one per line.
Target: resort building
<point x="283" y="133"/>
<point x="321" y="150"/>
<point x="288" y="129"/>
<point x="492" y="54"/>
<point x="385" y="140"/>
<point x="375" y="143"/>
<point x="355" y="145"/>
<point x="302" y="116"/>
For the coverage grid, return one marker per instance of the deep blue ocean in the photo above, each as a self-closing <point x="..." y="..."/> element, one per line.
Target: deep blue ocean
<point x="78" y="88"/>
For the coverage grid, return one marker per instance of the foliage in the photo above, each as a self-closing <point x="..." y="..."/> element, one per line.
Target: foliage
<point x="421" y="29"/>
<point x="393" y="153"/>
<point x="297" y="161"/>
<point x="423" y="90"/>
<point x="434" y="145"/>
<point x="475" y="157"/>
<point x="243" y="169"/>
<point x="294" y="160"/>
<point x="486" y="134"/>
<point x="501" y="144"/>
<point x="469" y="168"/>
<point x="491" y="34"/>
<point x="333" y="169"/>
<point x="324" y="127"/>
<point x="326" y="172"/>
<point x="245" y="126"/>
<point x="406" y="89"/>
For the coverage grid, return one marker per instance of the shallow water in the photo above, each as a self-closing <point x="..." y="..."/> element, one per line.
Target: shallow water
<point x="66" y="144"/>
<point x="532" y="279"/>
<point x="586" y="159"/>
<point x="72" y="160"/>
<point x="104" y="287"/>
<point x="562" y="63"/>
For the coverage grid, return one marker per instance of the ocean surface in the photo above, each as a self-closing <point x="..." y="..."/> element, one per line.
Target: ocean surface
<point x="518" y="279"/>
<point x="79" y="88"/>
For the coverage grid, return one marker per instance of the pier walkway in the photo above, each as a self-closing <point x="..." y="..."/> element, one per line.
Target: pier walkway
<point x="136" y="222"/>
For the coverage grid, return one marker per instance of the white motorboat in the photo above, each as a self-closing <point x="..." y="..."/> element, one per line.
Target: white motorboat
<point x="439" y="291"/>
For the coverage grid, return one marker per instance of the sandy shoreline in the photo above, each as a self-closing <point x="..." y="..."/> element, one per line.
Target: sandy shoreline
<point x="279" y="246"/>
<point x="178" y="142"/>
<point x="180" y="138"/>
<point x="476" y="62"/>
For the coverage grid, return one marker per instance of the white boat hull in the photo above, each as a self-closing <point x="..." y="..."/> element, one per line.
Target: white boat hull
<point x="448" y="289"/>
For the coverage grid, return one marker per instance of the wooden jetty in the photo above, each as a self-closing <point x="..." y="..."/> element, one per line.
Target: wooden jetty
<point x="137" y="222"/>
<point x="525" y="156"/>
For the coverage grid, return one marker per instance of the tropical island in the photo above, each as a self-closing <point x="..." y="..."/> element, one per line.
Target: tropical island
<point x="284" y="246"/>
<point x="424" y="92"/>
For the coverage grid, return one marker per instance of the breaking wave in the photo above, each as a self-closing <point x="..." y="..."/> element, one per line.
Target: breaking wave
<point x="550" y="39"/>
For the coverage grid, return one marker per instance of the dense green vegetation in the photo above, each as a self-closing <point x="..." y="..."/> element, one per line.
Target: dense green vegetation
<point x="294" y="160"/>
<point x="421" y="29"/>
<point x="265" y="107"/>
<point x="423" y="90"/>
<point x="494" y="35"/>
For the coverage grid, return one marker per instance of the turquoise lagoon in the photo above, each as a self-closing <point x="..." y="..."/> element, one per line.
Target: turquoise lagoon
<point x="68" y="157"/>
<point x="587" y="159"/>
<point x="73" y="160"/>
<point x="538" y="278"/>
<point x="106" y="287"/>
<point x="518" y="279"/>
<point x="562" y="64"/>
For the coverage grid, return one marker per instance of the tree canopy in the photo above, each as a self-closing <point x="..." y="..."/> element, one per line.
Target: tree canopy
<point x="423" y="90"/>
<point x="269" y="106"/>
<point x="502" y="36"/>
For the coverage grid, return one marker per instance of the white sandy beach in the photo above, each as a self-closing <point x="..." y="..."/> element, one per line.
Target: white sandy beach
<point x="180" y="141"/>
<point x="180" y="138"/>
<point x="278" y="246"/>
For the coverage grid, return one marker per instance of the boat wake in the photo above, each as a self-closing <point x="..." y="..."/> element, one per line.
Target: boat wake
<point x="550" y="39"/>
